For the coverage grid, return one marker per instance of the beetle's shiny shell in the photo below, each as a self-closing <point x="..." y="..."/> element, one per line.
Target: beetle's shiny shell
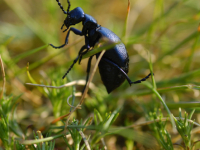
<point x="111" y="76"/>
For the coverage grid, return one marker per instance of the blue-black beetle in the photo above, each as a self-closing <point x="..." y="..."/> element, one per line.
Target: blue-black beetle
<point x="114" y="64"/>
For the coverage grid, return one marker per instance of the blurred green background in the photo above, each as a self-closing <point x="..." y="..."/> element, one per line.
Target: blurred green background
<point x="168" y="30"/>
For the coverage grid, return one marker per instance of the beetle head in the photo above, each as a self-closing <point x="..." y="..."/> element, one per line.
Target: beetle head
<point x="74" y="16"/>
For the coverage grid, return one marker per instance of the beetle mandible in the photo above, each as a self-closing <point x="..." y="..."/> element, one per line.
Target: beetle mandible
<point x="114" y="64"/>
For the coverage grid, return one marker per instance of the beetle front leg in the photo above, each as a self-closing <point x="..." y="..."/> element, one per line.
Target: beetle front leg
<point x="75" y="60"/>
<point x="76" y="31"/>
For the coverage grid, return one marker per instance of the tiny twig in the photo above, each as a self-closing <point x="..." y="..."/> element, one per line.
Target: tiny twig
<point x="84" y="139"/>
<point x="104" y="144"/>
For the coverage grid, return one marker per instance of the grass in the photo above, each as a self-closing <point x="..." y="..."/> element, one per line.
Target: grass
<point x="161" y="37"/>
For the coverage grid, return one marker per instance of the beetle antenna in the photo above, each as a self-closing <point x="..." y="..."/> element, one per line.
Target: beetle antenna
<point x="68" y="6"/>
<point x="61" y="7"/>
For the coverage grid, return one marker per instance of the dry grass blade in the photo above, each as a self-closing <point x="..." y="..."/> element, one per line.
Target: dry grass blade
<point x="4" y="78"/>
<point x="77" y="82"/>
<point x="91" y="77"/>
<point x="157" y="120"/>
<point x="127" y="18"/>
<point x="86" y="89"/>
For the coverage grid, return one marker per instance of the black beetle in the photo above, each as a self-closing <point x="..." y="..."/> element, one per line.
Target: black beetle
<point x="114" y="64"/>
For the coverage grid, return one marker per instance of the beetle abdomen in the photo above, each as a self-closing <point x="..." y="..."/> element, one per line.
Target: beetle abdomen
<point x="111" y="76"/>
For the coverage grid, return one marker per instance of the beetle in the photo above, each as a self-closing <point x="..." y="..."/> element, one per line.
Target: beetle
<point x="114" y="64"/>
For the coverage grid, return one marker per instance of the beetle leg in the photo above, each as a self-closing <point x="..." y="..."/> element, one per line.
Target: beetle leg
<point x="143" y="79"/>
<point x="124" y="73"/>
<point x="82" y="55"/>
<point x="62" y="26"/>
<point x="76" y="31"/>
<point x="88" y="72"/>
<point x="75" y="60"/>
<point x="87" y="48"/>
